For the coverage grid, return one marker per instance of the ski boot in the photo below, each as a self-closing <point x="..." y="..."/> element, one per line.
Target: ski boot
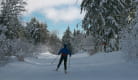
<point x="65" y="71"/>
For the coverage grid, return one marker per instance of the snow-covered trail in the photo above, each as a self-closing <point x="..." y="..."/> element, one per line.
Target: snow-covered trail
<point x="97" y="67"/>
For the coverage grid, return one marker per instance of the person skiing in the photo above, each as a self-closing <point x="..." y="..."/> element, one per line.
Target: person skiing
<point x="64" y="52"/>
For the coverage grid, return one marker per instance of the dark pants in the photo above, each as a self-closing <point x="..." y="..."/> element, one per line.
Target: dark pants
<point x="65" y="62"/>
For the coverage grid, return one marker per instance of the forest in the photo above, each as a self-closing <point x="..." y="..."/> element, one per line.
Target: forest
<point x="108" y="26"/>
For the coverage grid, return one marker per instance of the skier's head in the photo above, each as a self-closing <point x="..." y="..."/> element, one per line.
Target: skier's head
<point x="65" y="46"/>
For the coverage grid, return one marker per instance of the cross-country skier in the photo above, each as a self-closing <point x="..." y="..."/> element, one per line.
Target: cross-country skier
<point x="64" y="52"/>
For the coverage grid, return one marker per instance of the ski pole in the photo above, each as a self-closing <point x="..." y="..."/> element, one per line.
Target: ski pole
<point x="54" y="60"/>
<point x="69" y="62"/>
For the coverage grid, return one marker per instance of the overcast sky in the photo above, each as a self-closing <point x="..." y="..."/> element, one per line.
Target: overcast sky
<point x="58" y="14"/>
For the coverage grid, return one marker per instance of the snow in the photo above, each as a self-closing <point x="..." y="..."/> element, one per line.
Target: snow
<point x="101" y="66"/>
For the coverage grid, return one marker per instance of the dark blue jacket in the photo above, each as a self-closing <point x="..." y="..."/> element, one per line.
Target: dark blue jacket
<point x="64" y="51"/>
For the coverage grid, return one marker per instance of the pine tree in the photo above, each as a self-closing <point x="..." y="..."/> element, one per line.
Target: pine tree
<point x="77" y="40"/>
<point x="11" y="10"/>
<point x="66" y="39"/>
<point x="104" y="19"/>
<point x="10" y="13"/>
<point x="36" y="31"/>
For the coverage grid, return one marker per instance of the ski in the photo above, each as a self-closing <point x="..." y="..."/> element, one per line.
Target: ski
<point x="65" y="72"/>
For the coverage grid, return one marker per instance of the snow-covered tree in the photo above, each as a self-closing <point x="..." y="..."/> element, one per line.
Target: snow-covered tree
<point x="67" y="37"/>
<point x="54" y="43"/>
<point x="9" y="16"/>
<point x="13" y="47"/>
<point x="77" y="40"/>
<point x="88" y="43"/>
<point x="2" y="41"/>
<point x="129" y="40"/>
<point x="36" y="31"/>
<point x="129" y="43"/>
<point x="11" y="10"/>
<point x="105" y="18"/>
